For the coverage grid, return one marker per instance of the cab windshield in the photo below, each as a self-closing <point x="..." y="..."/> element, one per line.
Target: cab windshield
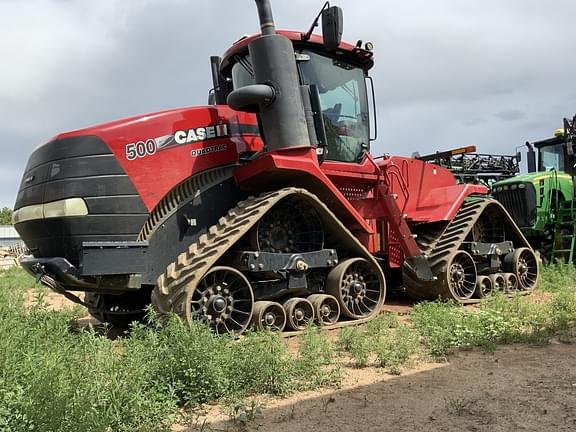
<point x="343" y="100"/>
<point x="552" y="158"/>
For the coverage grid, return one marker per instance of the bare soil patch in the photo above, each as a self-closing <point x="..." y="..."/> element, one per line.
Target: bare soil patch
<point x="517" y="388"/>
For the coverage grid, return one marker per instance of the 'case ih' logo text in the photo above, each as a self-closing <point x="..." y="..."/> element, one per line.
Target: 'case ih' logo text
<point x="200" y="134"/>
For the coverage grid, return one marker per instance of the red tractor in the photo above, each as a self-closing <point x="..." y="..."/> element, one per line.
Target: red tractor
<point x="263" y="208"/>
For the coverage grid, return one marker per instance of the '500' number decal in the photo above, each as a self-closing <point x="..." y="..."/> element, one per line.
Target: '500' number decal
<point x="140" y="149"/>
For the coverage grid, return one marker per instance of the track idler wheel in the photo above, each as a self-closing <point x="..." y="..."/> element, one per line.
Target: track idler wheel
<point x="299" y="312"/>
<point x="359" y="287"/>
<point x="269" y="316"/>
<point x="484" y="287"/>
<point x="498" y="281"/>
<point x="460" y="277"/>
<point x="326" y="308"/>
<point x="224" y="300"/>
<point x="524" y="264"/>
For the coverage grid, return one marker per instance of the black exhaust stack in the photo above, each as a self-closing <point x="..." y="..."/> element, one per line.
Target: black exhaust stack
<point x="531" y="157"/>
<point x="276" y="97"/>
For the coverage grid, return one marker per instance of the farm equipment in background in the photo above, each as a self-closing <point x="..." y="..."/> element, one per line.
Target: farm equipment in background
<point x="542" y="201"/>
<point x="476" y="168"/>
<point x="265" y="207"/>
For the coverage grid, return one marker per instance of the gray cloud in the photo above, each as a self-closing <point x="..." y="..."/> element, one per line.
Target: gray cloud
<point x="442" y="68"/>
<point x="510" y="115"/>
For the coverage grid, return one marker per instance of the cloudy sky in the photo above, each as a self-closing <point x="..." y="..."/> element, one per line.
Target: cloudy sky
<point x="448" y="72"/>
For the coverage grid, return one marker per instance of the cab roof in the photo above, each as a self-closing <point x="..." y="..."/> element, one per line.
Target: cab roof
<point x="346" y="51"/>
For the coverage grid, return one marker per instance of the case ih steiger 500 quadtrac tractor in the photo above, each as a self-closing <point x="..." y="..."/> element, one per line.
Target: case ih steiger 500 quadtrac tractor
<point x="263" y="208"/>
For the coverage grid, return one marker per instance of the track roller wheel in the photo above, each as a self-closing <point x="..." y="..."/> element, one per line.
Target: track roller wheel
<point x="298" y="312"/>
<point x="524" y="264"/>
<point x="511" y="282"/>
<point x="483" y="287"/>
<point x="269" y="316"/>
<point x="498" y="281"/>
<point x="223" y="299"/>
<point x="326" y="308"/>
<point x="460" y="276"/>
<point x="359" y="287"/>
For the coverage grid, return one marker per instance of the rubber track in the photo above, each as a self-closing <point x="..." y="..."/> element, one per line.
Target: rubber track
<point x="450" y="241"/>
<point x="176" y="285"/>
<point x="182" y="193"/>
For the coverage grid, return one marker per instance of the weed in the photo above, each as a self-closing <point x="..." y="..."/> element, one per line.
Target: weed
<point x="396" y="348"/>
<point x="243" y="413"/>
<point x="260" y="363"/>
<point x="355" y="341"/>
<point x="315" y="347"/>
<point x="325" y="402"/>
<point x="382" y="323"/>
<point x="315" y="363"/>
<point x="460" y="406"/>
<point x="500" y="320"/>
<point x="557" y="276"/>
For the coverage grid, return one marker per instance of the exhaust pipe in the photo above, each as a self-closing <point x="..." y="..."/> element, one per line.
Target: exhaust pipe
<point x="531" y="157"/>
<point x="281" y="109"/>
<point x="267" y="26"/>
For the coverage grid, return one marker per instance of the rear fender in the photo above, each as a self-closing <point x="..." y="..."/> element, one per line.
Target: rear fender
<point x="426" y="192"/>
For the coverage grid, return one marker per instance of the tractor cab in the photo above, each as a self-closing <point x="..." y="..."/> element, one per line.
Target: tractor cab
<point x="342" y="96"/>
<point x="334" y="75"/>
<point x="557" y="153"/>
<point x="552" y="155"/>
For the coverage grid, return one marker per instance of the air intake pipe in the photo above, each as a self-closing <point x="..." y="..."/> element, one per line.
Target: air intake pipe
<point x="280" y="108"/>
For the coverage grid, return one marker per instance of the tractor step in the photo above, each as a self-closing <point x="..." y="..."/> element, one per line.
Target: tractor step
<point x="561" y="239"/>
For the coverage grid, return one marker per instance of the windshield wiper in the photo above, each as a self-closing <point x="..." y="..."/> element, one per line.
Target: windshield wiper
<point x="246" y="65"/>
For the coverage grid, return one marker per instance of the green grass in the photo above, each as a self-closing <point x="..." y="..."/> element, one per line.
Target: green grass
<point x="55" y="377"/>
<point x="557" y="277"/>
<point x="446" y="326"/>
<point x="383" y="342"/>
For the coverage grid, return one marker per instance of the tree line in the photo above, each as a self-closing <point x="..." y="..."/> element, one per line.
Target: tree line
<point x="6" y="216"/>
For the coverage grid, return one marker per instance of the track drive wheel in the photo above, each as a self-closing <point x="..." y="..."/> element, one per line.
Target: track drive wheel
<point x="224" y="300"/>
<point x="269" y="316"/>
<point x="291" y="226"/>
<point x="359" y="287"/>
<point x="524" y="264"/>
<point x="326" y="308"/>
<point x="460" y="276"/>
<point x="483" y="287"/>
<point x="298" y="312"/>
<point x="118" y="310"/>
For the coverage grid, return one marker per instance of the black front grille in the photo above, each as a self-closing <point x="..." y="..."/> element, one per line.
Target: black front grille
<point x="519" y="202"/>
<point x="80" y="166"/>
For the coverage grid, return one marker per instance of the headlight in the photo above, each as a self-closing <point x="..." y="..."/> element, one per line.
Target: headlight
<point x="62" y="208"/>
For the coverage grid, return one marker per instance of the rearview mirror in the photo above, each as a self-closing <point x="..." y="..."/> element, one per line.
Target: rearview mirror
<point x="332" y="25"/>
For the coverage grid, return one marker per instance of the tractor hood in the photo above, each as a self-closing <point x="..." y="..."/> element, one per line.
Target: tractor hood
<point x="533" y="178"/>
<point x="158" y="151"/>
<point x="100" y="183"/>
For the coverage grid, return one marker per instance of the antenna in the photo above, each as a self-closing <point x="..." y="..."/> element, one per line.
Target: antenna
<point x="306" y="36"/>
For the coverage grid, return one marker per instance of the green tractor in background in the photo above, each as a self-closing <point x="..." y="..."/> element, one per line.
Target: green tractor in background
<point x="542" y="201"/>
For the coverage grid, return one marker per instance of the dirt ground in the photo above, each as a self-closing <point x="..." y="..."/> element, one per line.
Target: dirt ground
<point x="517" y="388"/>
